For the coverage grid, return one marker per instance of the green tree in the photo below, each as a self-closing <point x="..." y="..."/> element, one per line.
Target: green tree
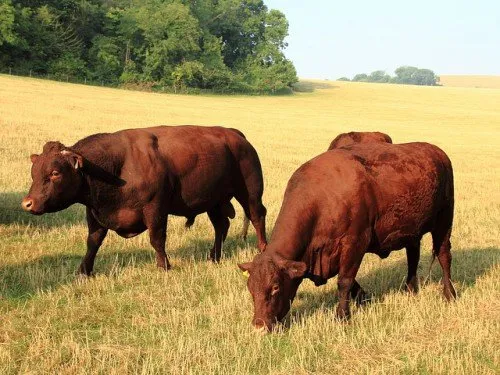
<point x="6" y="22"/>
<point x="424" y="77"/>
<point x="404" y="74"/>
<point x="219" y="45"/>
<point x="362" y="77"/>
<point x="378" y="76"/>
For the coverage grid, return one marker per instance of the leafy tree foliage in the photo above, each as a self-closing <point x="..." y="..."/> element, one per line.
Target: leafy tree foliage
<point x="409" y="75"/>
<point x="224" y="45"/>
<point x="6" y="22"/>
<point x="362" y="77"/>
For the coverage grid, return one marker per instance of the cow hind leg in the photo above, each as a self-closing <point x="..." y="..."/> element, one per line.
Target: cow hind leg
<point x="441" y="249"/>
<point x="221" y="227"/>
<point x="413" y="257"/>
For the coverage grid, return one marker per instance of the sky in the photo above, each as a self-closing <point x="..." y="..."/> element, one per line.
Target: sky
<point x="331" y="39"/>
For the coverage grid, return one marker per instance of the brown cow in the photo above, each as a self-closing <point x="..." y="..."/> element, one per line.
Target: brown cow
<point x="347" y="139"/>
<point x="344" y="203"/>
<point x="133" y="179"/>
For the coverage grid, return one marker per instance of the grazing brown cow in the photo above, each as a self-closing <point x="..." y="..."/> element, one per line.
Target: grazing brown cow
<point x="347" y="139"/>
<point x="344" y="203"/>
<point x="133" y="179"/>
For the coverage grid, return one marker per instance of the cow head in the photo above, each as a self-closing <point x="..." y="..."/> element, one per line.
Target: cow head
<point x="272" y="282"/>
<point x="56" y="179"/>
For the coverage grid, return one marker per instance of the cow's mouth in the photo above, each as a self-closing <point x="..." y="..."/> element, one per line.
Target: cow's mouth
<point x="36" y="213"/>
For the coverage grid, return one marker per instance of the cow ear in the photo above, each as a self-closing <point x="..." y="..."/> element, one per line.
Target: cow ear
<point x="33" y="157"/>
<point x="246" y="267"/>
<point x="293" y="269"/>
<point x="76" y="160"/>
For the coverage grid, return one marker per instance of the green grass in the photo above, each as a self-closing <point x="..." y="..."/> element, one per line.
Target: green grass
<point x="195" y="319"/>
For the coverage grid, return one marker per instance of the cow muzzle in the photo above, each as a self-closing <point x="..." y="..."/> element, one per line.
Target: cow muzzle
<point x="262" y="325"/>
<point x="27" y="204"/>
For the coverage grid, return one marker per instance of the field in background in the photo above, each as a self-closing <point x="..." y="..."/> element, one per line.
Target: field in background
<point x="490" y="82"/>
<point x="131" y="318"/>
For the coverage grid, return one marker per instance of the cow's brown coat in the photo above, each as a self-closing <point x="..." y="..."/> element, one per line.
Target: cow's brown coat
<point x="348" y="139"/>
<point x="376" y="198"/>
<point x="133" y="179"/>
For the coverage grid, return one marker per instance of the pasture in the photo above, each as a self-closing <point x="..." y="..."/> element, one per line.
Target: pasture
<point x="491" y="82"/>
<point x="195" y="319"/>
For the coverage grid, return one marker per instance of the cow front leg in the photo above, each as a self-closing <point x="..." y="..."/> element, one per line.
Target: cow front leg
<point x="95" y="237"/>
<point x="350" y="261"/>
<point x="413" y="257"/>
<point x="156" y="223"/>
<point x="221" y="227"/>
<point x="358" y="295"/>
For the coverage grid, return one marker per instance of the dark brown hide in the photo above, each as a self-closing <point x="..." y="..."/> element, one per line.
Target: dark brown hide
<point x="344" y="203"/>
<point x="133" y="179"/>
<point x="347" y="139"/>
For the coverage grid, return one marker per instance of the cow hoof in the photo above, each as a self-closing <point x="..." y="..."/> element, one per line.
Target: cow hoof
<point x="82" y="277"/>
<point x="450" y="294"/>
<point x="362" y="298"/>
<point x="343" y="316"/>
<point x="411" y="289"/>
<point x="165" y="268"/>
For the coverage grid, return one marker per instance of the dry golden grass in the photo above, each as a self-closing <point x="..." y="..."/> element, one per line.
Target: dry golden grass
<point x="488" y="82"/>
<point x="195" y="319"/>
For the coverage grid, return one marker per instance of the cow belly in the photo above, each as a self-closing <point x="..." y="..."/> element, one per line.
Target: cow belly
<point x="199" y="198"/>
<point x="129" y="223"/>
<point x="129" y="233"/>
<point x="125" y="222"/>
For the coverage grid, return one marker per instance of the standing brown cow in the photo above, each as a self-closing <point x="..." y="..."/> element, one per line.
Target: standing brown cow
<point x="133" y="179"/>
<point x="347" y="139"/>
<point x="344" y="203"/>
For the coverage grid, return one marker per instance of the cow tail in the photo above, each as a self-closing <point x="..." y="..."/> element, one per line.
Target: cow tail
<point x="432" y="262"/>
<point x="246" y="223"/>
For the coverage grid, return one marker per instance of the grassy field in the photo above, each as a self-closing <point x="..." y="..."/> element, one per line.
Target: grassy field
<point x="195" y="319"/>
<point x="491" y="82"/>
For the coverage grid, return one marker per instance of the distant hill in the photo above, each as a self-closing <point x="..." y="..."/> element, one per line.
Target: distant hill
<point x="491" y="82"/>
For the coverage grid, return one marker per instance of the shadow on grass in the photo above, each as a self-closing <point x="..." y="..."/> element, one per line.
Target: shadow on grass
<point x="199" y="249"/>
<point x="23" y="281"/>
<point x="467" y="266"/>
<point x="12" y="213"/>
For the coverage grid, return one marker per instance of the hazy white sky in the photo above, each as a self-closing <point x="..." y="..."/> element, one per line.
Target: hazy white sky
<point x="330" y="39"/>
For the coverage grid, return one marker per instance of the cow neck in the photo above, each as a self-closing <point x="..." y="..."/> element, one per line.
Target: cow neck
<point x="99" y="175"/>
<point x="288" y="242"/>
<point x="292" y="233"/>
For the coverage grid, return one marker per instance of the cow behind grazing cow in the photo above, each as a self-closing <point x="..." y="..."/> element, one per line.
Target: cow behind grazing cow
<point x="133" y="179"/>
<point x="344" y="203"/>
<point x="347" y="139"/>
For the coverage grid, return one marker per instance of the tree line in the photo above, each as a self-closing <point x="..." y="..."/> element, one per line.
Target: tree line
<point x="218" y="45"/>
<point x="408" y="75"/>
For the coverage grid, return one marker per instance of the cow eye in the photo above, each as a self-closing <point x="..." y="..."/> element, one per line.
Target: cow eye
<point x="275" y="289"/>
<point x="55" y="174"/>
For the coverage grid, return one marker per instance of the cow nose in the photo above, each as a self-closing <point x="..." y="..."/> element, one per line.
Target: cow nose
<point x="27" y="204"/>
<point x="261" y="325"/>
